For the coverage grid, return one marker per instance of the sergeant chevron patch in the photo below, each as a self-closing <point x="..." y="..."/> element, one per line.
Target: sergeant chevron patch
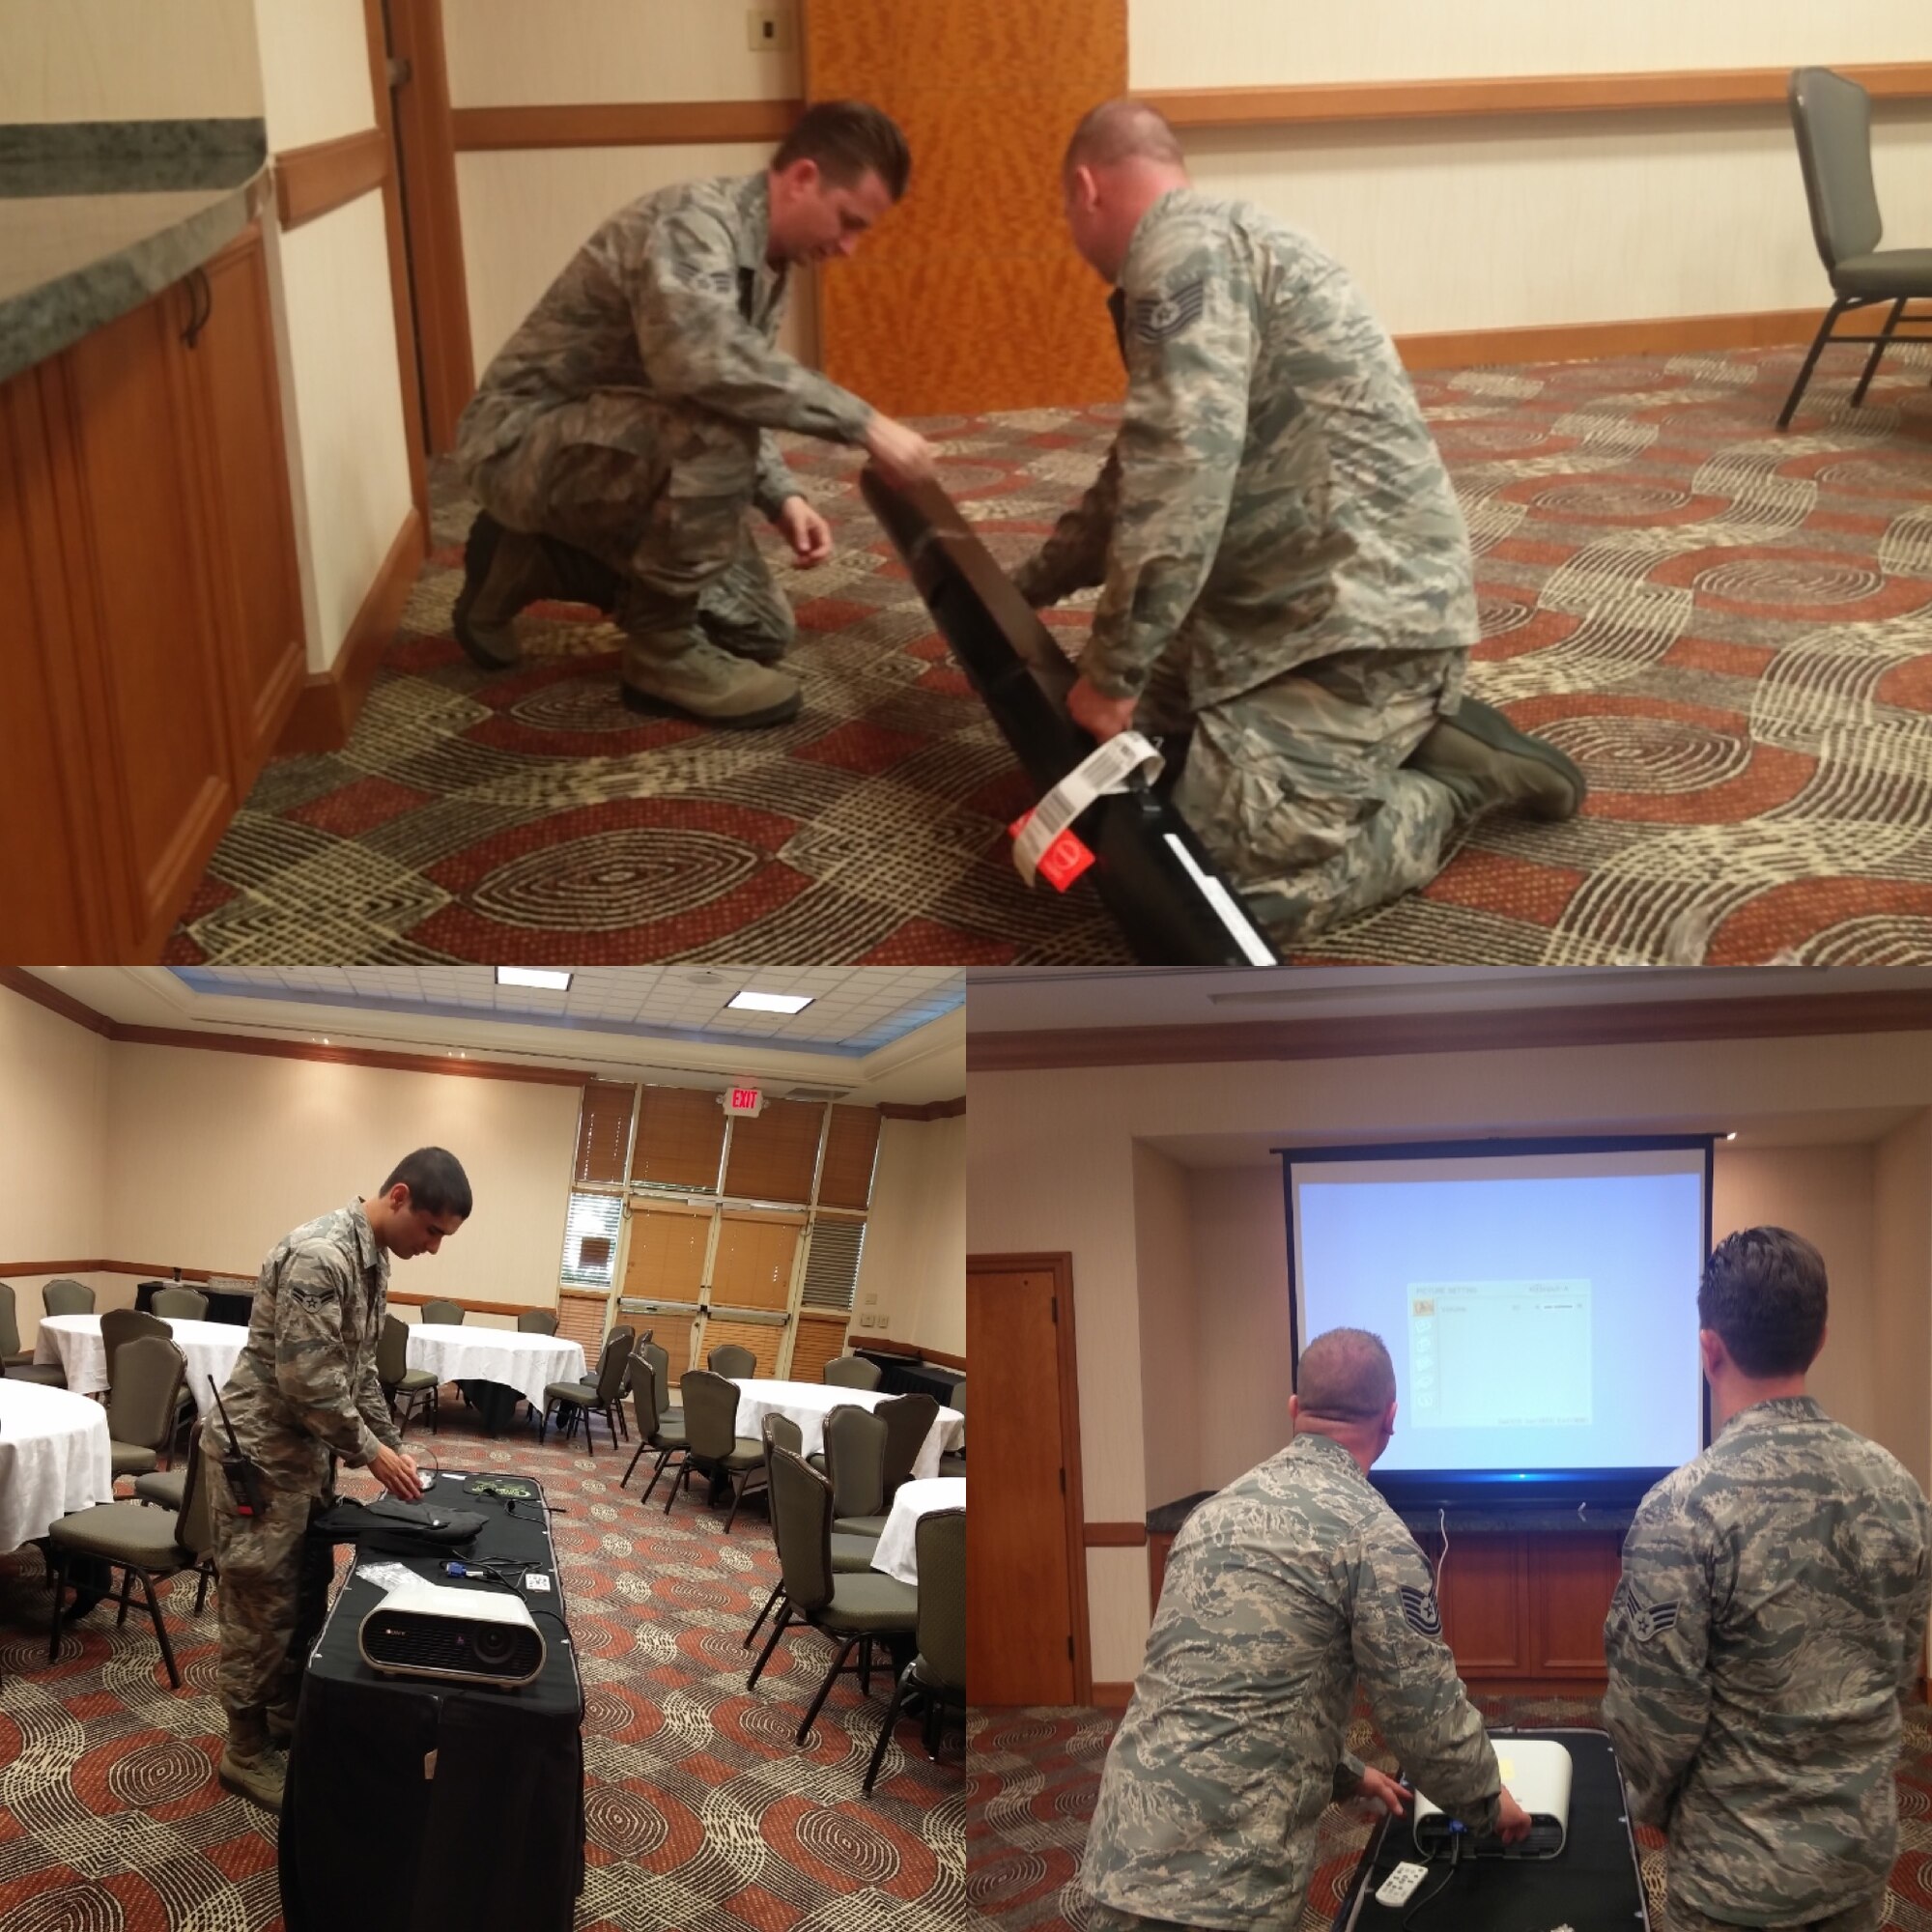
<point x="1419" y="1608"/>
<point x="1158" y="317"/>
<point x="1645" y="1620"/>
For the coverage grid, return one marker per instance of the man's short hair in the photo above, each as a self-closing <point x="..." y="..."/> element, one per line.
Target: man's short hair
<point x="1764" y="1294"/>
<point x="849" y="139"/>
<point x="1345" y="1375"/>
<point x="1119" y="131"/>
<point x="436" y="1181"/>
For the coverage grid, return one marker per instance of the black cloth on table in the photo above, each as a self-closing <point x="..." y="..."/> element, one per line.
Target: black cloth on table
<point x="494" y="1837"/>
<point x="1593" y="1885"/>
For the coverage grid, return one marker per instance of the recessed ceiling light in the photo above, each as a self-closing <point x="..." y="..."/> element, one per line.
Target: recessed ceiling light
<point x="545" y="977"/>
<point x="771" y="1003"/>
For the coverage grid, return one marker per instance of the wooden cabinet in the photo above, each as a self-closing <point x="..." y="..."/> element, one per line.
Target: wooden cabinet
<point x="1527" y="1610"/>
<point x="151" y="648"/>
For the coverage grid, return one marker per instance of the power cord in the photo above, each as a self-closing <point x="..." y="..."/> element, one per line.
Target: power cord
<point x="1442" y="1521"/>
<point x="1441" y="1884"/>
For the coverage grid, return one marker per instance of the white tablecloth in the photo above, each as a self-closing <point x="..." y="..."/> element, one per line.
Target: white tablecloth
<point x="526" y="1363"/>
<point x="897" y="1553"/>
<point x="73" y="1341"/>
<point x="807" y="1403"/>
<point x="54" y="1458"/>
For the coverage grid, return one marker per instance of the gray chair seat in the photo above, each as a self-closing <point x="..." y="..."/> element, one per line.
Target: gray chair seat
<point x="852" y="1554"/>
<point x="873" y="1526"/>
<point x="131" y="1460"/>
<point x="166" y="1487"/>
<point x="744" y="1455"/>
<point x="580" y="1393"/>
<point x="1887" y="273"/>
<point x="127" y="1532"/>
<point x="49" y="1374"/>
<point x="670" y="1437"/>
<point x="872" y="1602"/>
<point x="417" y="1382"/>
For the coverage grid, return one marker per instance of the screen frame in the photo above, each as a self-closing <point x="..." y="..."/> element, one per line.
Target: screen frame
<point x="1498" y="1489"/>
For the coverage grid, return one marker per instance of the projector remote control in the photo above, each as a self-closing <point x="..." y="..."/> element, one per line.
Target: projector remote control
<point x="1400" y="1883"/>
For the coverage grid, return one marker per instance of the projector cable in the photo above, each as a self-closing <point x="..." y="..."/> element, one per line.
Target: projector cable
<point x="1441" y="1884"/>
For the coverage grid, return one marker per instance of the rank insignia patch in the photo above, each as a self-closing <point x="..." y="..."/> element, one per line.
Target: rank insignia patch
<point x="1156" y="318"/>
<point x="1419" y="1608"/>
<point x="1645" y="1620"/>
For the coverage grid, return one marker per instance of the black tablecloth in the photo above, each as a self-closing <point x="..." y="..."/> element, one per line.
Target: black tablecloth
<point x="1592" y="1886"/>
<point x="495" y="1835"/>
<point x="903" y="1374"/>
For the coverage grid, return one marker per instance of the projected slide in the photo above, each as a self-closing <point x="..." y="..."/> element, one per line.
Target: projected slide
<point x="1499" y="1355"/>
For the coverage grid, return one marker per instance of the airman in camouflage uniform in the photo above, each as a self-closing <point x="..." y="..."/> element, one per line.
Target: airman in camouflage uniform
<point x="1284" y="567"/>
<point x="303" y="1396"/>
<point x="1772" y="1613"/>
<point x="619" y="437"/>
<point x="1283" y="1592"/>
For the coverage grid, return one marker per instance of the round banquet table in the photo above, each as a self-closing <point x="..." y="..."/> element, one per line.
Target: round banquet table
<point x="897" y="1553"/>
<point x="54" y="1458"/>
<point x="73" y="1341"/>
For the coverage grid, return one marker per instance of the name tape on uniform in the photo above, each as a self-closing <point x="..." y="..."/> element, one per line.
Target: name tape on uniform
<point x="1106" y="769"/>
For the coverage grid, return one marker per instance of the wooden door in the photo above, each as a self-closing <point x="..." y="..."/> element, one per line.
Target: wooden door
<point x="1026" y="1591"/>
<point x="246" y="492"/>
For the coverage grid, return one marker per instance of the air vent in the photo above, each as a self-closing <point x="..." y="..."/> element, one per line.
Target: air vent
<point x="816" y="1096"/>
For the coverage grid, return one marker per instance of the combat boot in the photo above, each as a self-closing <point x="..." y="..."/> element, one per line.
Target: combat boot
<point x="702" y="681"/>
<point x="502" y="571"/>
<point x="1486" y="763"/>
<point x="281" y="1722"/>
<point x="248" y="1767"/>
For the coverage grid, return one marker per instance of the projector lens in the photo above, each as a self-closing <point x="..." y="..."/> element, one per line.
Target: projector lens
<point x="495" y="1648"/>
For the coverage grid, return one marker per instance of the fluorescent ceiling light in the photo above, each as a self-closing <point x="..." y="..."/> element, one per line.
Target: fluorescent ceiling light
<point x="533" y="976"/>
<point x="771" y="1003"/>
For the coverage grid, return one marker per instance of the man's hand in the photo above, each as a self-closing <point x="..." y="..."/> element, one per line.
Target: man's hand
<point x="1513" y="1825"/>
<point x="903" y="454"/>
<point x="397" y="1473"/>
<point x="1392" y="1796"/>
<point x="806" y="530"/>
<point x="1104" y="717"/>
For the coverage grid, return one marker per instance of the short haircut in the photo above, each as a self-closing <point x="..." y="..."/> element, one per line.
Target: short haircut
<point x="1764" y="1294"/>
<point x="1120" y="130"/>
<point x="436" y="1181"/>
<point x="849" y="139"/>
<point x="1345" y="1375"/>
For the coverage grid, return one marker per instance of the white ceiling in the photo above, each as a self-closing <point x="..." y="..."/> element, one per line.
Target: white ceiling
<point x="1025" y="1000"/>
<point x="872" y="1033"/>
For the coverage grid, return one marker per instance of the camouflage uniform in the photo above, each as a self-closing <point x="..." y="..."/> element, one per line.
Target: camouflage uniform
<point x="1772" y="1610"/>
<point x="1284" y="562"/>
<point x="303" y="1392"/>
<point x="1280" y="1591"/>
<point x="632" y="416"/>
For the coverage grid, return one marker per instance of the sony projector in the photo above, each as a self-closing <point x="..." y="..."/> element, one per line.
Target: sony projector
<point x="1537" y="1773"/>
<point x="472" y="1637"/>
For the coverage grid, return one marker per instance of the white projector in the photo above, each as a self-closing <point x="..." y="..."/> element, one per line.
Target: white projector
<point x="475" y="1637"/>
<point x="1537" y="1776"/>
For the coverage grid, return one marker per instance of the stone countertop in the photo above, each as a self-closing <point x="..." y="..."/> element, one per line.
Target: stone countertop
<point x="96" y="216"/>
<point x="1165" y="1521"/>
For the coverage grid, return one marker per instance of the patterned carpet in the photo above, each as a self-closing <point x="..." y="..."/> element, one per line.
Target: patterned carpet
<point x="1730" y="630"/>
<point x="1033" y="1776"/>
<point x="701" y="1813"/>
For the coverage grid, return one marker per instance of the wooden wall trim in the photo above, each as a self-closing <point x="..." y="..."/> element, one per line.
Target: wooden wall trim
<point x="1509" y="95"/>
<point x="462" y="1301"/>
<point x="347" y="1055"/>
<point x="167" y="1271"/>
<point x="1366" y="1036"/>
<point x="647" y="124"/>
<point x="885" y="1347"/>
<point x="1115" y="1535"/>
<point x="933" y="1110"/>
<point x="16" y="980"/>
<point x="331" y="701"/>
<point x="1112" y="1696"/>
<point x="327" y="174"/>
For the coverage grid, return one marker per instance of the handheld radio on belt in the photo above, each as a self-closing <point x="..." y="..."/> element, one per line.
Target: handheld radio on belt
<point x="244" y="1479"/>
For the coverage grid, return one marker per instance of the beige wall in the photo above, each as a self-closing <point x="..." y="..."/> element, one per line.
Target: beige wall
<point x="214" y="1157"/>
<point x="127" y="60"/>
<point x="1171" y="1322"/>
<point x="1021" y="1199"/>
<point x="1458" y="224"/>
<point x="913" y="1267"/>
<point x="315" y="70"/>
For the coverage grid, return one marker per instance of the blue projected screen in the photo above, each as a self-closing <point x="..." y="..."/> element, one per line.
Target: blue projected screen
<point x="1541" y="1309"/>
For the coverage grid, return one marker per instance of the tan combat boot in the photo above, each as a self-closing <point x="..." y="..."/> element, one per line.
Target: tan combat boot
<point x="1488" y="763"/>
<point x="248" y="1767"/>
<point x="702" y="681"/>
<point x="502" y="571"/>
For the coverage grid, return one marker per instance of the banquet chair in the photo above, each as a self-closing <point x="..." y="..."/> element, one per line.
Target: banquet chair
<point x="666" y="1438"/>
<point x="443" y="1313"/>
<point x="403" y="1386"/>
<point x="732" y="1360"/>
<point x="908" y="1420"/>
<point x="143" y="1402"/>
<point x="670" y="1414"/>
<point x="850" y="1554"/>
<point x="176" y="1303"/>
<point x="153" y="1544"/>
<point x="850" y="1372"/>
<point x="573" y="1401"/>
<point x="119" y="1325"/>
<point x="19" y="1364"/>
<point x="854" y="1609"/>
<point x="937" y="1673"/>
<point x="712" y="1443"/>
<point x="1830" y="117"/>
<point x="537" y="1321"/>
<point x="855" y="1466"/>
<point x="67" y="1296"/>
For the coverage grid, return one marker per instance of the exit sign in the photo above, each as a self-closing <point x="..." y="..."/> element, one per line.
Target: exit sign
<point x="744" y="1100"/>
